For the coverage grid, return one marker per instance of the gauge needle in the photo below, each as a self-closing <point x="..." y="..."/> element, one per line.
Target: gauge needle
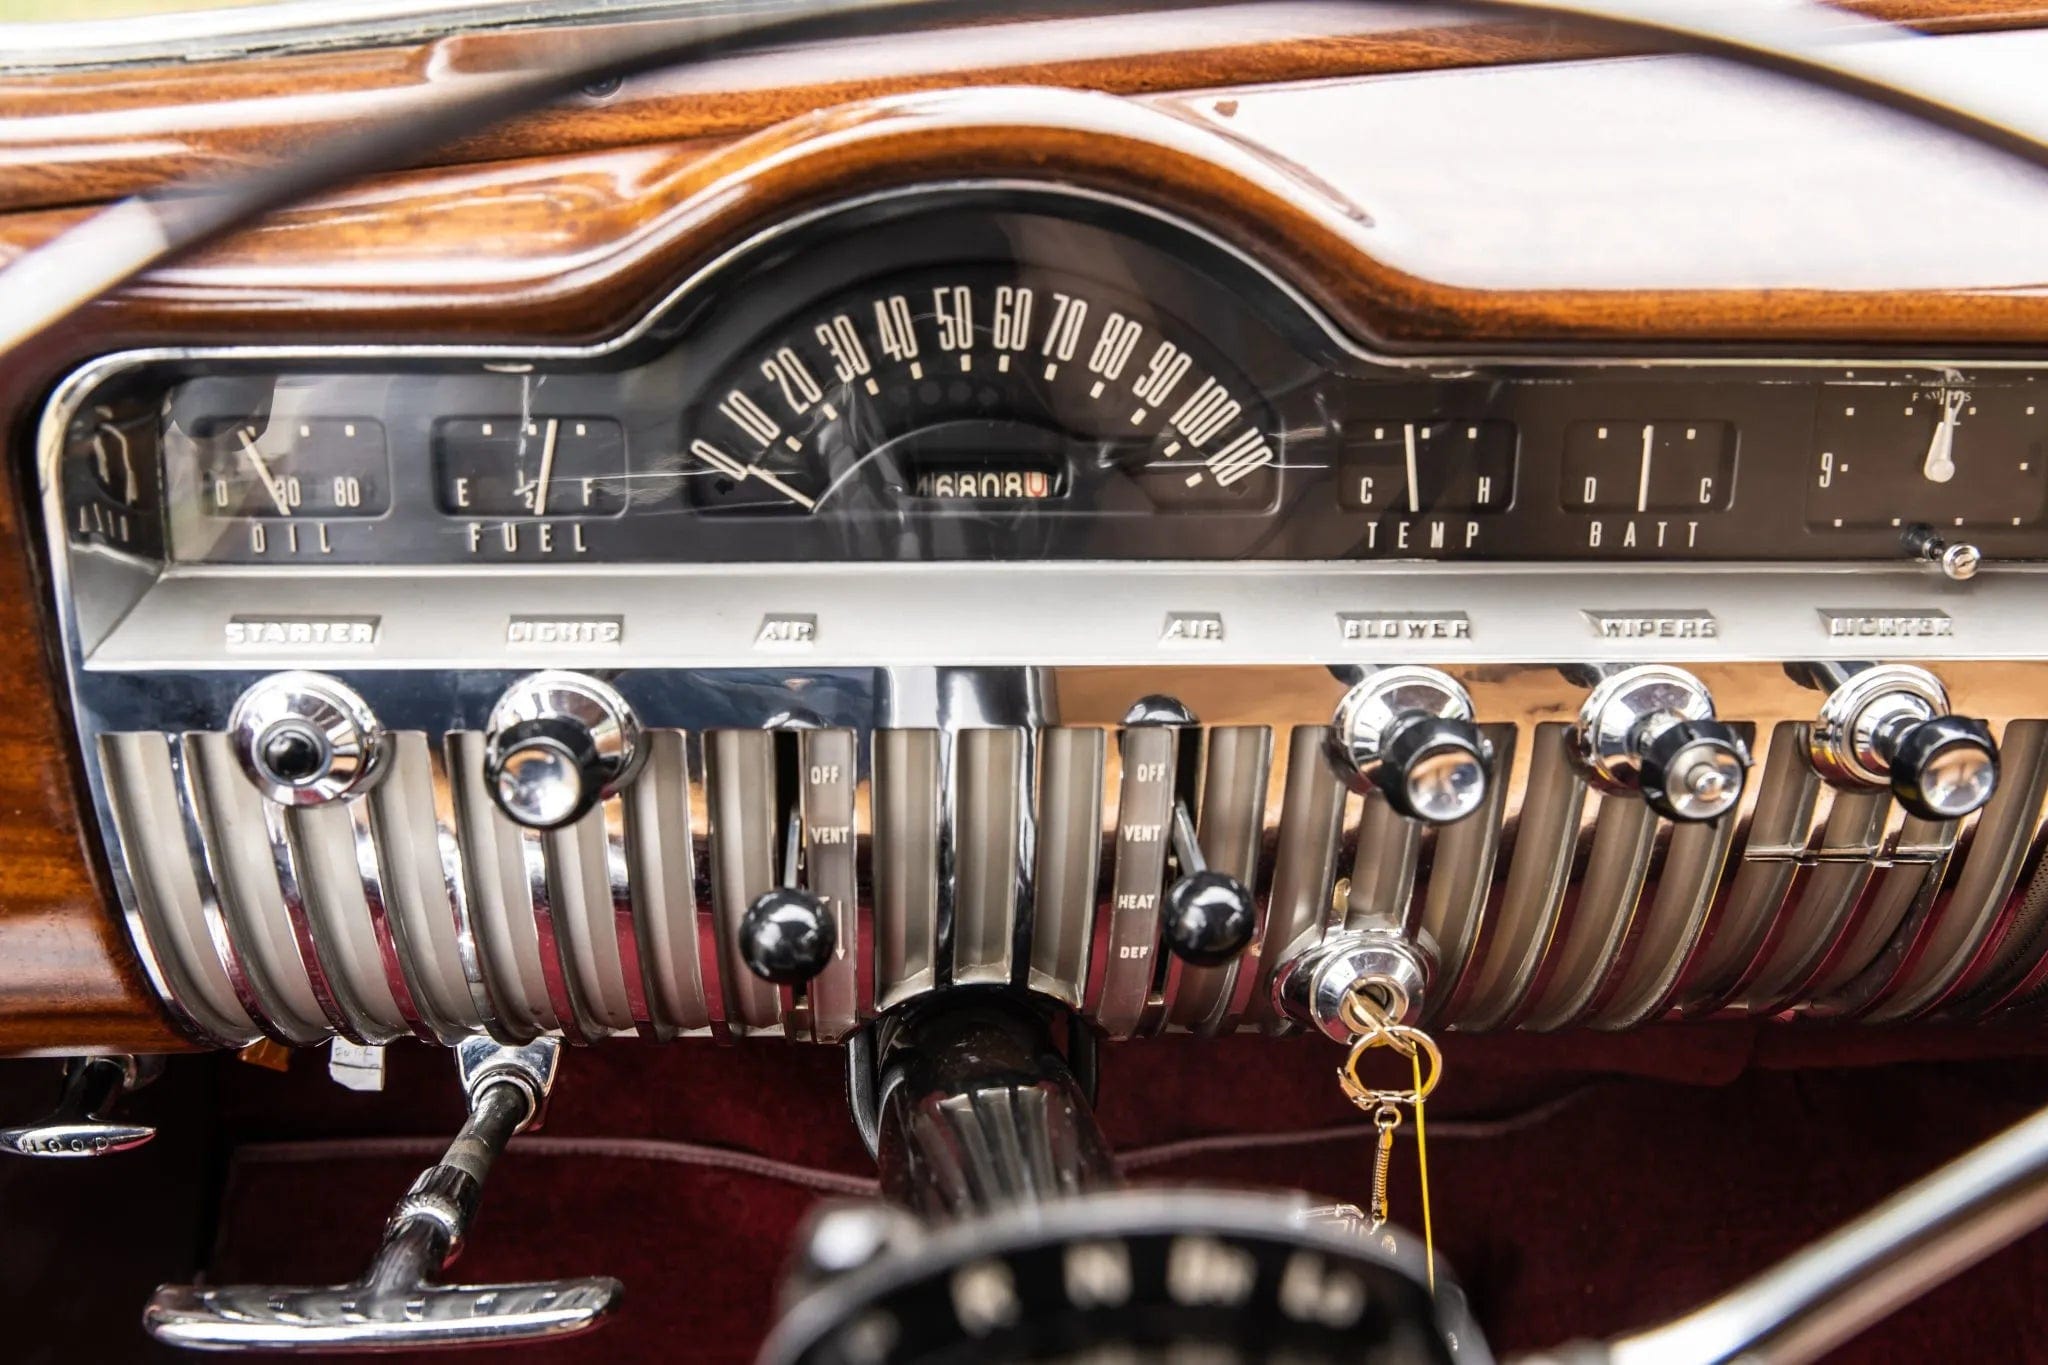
<point x="1408" y="450"/>
<point x="1643" y="480"/>
<point x="734" y="470"/>
<point x="547" y="468"/>
<point x="808" y="504"/>
<point x="270" y="480"/>
<point x="1941" y="451"/>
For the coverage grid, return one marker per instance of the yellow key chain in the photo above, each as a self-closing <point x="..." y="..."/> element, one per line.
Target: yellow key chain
<point x="1367" y="1020"/>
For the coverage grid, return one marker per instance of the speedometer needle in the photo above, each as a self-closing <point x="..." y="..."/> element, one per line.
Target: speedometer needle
<point x="1941" y="451"/>
<point x="271" y="485"/>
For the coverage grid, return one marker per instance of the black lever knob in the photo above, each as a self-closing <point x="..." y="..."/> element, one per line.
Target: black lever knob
<point x="1944" y="768"/>
<point x="1433" y="768"/>
<point x="1694" y="770"/>
<point x="1209" y="918"/>
<point x="546" y="772"/>
<point x="787" y="936"/>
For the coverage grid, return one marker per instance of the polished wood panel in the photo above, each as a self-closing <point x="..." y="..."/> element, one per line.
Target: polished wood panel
<point x="69" y="982"/>
<point x="570" y="248"/>
<point x="76" y="137"/>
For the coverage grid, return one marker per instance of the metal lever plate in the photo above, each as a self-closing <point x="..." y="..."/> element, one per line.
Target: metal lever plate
<point x="359" y="1319"/>
<point x="63" y="1137"/>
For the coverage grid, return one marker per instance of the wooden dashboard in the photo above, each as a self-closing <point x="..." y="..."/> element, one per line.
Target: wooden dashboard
<point x="1434" y="187"/>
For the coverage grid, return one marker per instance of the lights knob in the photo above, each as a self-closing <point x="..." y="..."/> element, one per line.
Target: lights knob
<point x="787" y="936"/>
<point x="1888" y="725"/>
<point x="1694" y="770"/>
<point x="559" y="743"/>
<point x="1408" y="731"/>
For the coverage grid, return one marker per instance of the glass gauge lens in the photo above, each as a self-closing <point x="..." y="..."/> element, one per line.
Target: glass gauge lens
<point x="1441" y="465"/>
<point x="980" y="387"/>
<point x="1945" y="455"/>
<point x="1673" y="466"/>
<point x="279" y="467"/>
<point x="532" y="467"/>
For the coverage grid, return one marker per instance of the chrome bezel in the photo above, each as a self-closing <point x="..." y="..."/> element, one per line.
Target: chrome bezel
<point x="1843" y="743"/>
<point x="1609" y="731"/>
<point x="331" y="711"/>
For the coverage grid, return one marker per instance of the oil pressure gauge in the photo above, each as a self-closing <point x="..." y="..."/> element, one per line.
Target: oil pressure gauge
<point x="1946" y="455"/>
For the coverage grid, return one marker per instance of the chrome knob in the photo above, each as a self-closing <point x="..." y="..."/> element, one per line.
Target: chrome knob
<point x="1945" y="768"/>
<point x="1408" y="731"/>
<point x="305" y="739"/>
<point x="1889" y="726"/>
<point x="1693" y="770"/>
<point x="1651" y="730"/>
<point x="558" y="744"/>
<point x="787" y="936"/>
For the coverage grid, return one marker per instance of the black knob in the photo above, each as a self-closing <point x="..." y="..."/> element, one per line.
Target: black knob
<point x="1694" y="770"/>
<point x="544" y="773"/>
<point x="1209" y="918"/>
<point x="1434" y="768"/>
<point x="787" y="936"/>
<point x="1944" y="768"/>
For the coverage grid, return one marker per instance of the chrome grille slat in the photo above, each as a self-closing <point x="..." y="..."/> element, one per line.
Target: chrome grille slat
<point x="418" y="907"/>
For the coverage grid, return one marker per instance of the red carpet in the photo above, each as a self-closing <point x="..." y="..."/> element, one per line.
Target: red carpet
<point x="1582" y="1185"/>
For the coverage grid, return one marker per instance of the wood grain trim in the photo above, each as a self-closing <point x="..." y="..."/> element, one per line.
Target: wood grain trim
<point x="87" y="137"/>
<point x="69" y="981"/>
<point x="569" y="249"/>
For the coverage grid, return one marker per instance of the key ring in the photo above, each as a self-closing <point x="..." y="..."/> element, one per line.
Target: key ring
<point x="1360" y="1013"/>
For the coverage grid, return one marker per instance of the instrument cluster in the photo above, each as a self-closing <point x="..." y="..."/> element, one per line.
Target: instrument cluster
<point x="1021" y="376"/>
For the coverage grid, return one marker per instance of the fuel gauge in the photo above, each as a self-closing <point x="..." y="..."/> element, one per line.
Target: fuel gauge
<point x="1946" y="455"/>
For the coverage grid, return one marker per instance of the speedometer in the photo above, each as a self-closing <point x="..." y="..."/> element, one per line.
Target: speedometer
<point x="983" y="386"/>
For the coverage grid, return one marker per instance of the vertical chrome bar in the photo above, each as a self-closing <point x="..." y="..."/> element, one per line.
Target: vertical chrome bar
<point x="946" y="904"/>
<point x="455" y="878"/>
<point x="540" y="885"/>
<point x="206" y="868"/>
<point x="1132" y="921"/>
<point x="1109" y="827"/>
<point x="709" y="961"/>
<point x="384" y="926"/>
<point x="830" y="764"/>
<point x="618" y="865"/>
<point x="284" y="855"/>
<point x="1024" y="897"/>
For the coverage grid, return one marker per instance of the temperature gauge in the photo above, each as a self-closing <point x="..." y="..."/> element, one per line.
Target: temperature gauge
<point x="282" y="467"/>
<point x="1415" y="467"/>
<point x="1945" y="455"/>
<point x="536" y="467"/>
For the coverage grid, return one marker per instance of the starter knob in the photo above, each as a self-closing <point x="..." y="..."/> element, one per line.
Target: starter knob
<point x="305" y="739"/>
<point x="1209" y="918"/>
<point x="559" y="743"/>
<point x="1693" y="770"/>
<point x="1888" y="725"/>
<point x="787" y="936"/>
<point x="1408" y="731"/>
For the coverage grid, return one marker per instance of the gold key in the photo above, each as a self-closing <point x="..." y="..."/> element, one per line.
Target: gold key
<point x="1372" y="1030"/>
